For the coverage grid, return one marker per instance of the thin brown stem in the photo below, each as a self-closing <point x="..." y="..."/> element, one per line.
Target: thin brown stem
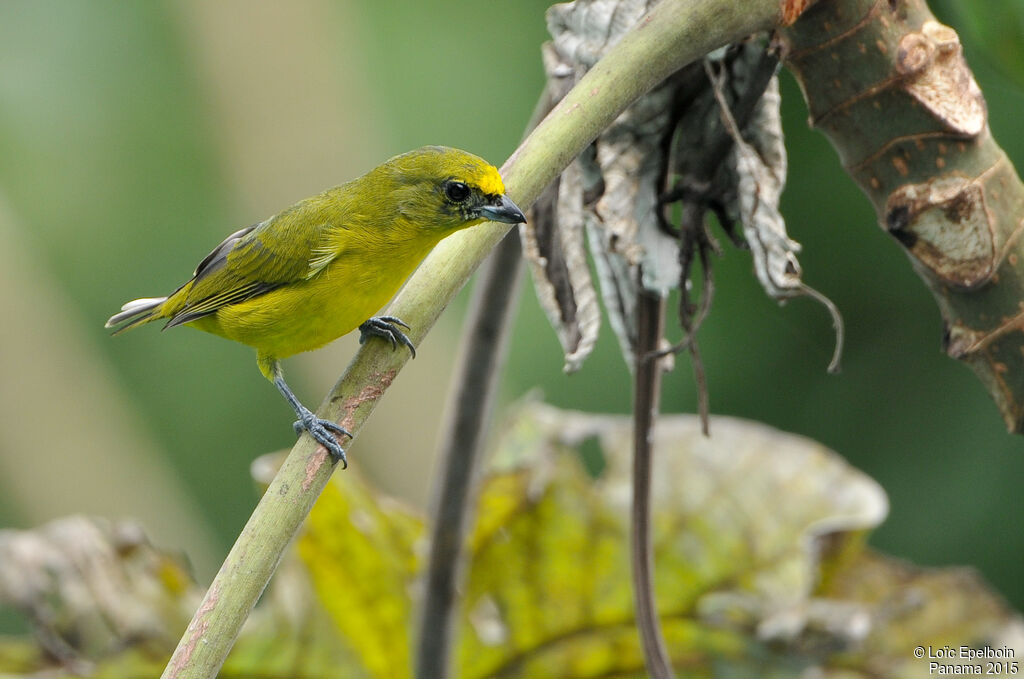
<point x="647" y="381"/>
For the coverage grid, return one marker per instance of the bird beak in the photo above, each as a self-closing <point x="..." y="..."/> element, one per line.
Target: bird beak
<point x="505" y="211"/>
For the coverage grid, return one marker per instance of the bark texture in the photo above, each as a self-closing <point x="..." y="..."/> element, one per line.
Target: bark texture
<point x="888" y="85"/>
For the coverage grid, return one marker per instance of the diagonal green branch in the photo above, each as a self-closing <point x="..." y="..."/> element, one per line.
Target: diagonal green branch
<point x="673" y="34"/>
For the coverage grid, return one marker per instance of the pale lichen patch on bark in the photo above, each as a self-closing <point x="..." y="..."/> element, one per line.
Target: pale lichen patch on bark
<point x="943" y="223"/>
<point x="938" y="78"/>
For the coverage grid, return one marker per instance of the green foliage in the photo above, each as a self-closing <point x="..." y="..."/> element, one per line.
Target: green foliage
<point x="362" y="574"/>
<point x="759" y="540"/>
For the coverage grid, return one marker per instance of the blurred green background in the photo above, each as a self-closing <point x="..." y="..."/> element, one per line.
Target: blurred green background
<point x="134" y="136"/>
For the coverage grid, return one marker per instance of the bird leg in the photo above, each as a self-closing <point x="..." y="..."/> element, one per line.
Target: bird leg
<point x="323" y="431"/>
<point x="386" y="327"/>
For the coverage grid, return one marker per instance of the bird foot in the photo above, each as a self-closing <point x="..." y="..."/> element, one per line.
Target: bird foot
<point x="386" y="327"/>
<point x="323" y="432"/>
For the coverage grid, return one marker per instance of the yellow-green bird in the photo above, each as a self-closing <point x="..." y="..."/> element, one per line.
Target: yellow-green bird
<point x="322" y="267"/>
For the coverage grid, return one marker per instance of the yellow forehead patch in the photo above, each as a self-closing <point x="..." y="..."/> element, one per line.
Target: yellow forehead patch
<point x="489" y="181"/>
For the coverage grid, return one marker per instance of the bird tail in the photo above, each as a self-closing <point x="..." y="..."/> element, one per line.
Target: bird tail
<point x="136" y="313"/>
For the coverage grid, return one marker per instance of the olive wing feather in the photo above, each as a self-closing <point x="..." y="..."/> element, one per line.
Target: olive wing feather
<point x="249" y="263"/>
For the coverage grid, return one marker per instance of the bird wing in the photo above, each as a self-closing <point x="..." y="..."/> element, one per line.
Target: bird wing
<point x="252" y="262"/>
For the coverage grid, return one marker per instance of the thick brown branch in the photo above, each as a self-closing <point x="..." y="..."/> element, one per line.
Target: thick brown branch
<point x="889" y="86"/>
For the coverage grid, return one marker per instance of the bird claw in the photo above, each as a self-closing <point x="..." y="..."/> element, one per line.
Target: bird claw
<point x="323" y="432"/>
<point x="299" y="426"/>
<point x="387" y="328"/>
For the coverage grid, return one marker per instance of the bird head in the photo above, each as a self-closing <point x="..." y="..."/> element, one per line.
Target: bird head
<point x="449" y="189"/>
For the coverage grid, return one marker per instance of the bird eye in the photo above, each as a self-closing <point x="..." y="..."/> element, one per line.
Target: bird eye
<point x="456" y="191"/>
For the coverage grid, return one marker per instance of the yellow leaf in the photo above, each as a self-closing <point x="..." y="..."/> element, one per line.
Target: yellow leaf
<point x="359" y="549"/>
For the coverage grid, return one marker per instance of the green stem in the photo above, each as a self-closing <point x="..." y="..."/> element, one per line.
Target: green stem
<point x="673" y="34"/>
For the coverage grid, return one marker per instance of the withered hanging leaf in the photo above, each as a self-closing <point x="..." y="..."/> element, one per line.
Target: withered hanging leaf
<point x="558" y="260"/>
<point x="760" y="168"/>
<point x="601" y="191"/>
<point x="671" y="141"/>
<point x="570" y="232"/>
<point x="759" y="165"/>
<point x="556" y="256"/>
<point x="584" y="30"/>
<point x="618" y="290"/>
<point x="625" y="224"/>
